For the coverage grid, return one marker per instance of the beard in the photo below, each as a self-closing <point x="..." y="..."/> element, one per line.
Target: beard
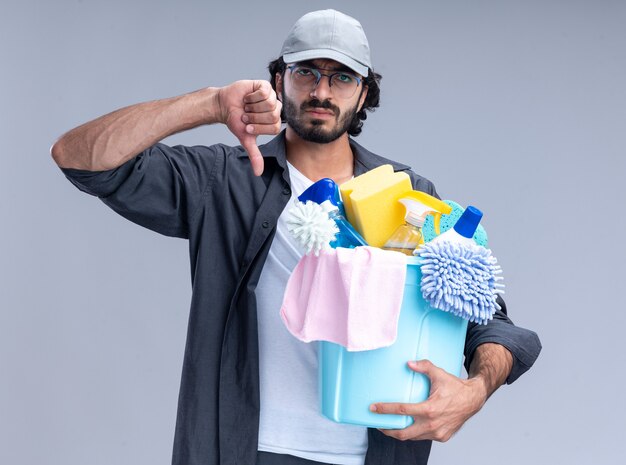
<point x="314" y="130"/>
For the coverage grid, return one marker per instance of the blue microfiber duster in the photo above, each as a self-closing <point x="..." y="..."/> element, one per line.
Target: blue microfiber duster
<point x="461" y="279"/>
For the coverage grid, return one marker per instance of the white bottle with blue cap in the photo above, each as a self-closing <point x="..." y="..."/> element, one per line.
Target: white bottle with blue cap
<point x="463" y="231"/>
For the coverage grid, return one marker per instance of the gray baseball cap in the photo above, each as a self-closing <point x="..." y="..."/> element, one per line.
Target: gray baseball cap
<point x="328" y="34"/>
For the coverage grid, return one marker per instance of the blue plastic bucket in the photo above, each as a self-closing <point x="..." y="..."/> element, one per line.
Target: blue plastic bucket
<point x="349" y="382"/>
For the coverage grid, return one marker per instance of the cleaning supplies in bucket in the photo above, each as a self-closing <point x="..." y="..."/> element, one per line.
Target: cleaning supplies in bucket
<point x="351" y="381"/>
<point x="316" y="220"/>
<point x="460" y="276"/>
<point x="408" y="236"/>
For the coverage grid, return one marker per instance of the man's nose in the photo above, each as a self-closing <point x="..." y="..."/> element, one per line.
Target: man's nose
<point x="322" y="90"/>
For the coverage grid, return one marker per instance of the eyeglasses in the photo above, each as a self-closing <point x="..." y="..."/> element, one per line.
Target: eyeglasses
<point x="342" y="83"/>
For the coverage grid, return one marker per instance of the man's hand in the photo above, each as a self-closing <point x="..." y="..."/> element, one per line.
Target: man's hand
<point x="451" y="403"/>
<point x="249" y="109"/>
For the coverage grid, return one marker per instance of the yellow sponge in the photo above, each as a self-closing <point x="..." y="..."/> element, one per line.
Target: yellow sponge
<point x="371" y="203"/>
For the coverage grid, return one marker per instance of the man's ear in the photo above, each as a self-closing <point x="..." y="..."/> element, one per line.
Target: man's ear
<point x="279" y="86"/>
<point x="363" y="97"/>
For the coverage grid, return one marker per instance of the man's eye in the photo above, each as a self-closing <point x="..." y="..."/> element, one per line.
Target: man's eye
<point x="345" y="78"/>
<point x="304" y="71"/>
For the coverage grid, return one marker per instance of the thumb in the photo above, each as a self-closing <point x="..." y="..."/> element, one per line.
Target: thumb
<point x="256" y="159"/>
<point x="425" y="367"/>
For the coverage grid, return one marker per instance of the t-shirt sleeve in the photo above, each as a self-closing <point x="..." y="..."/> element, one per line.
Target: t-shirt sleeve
<point x="161" y="188"/>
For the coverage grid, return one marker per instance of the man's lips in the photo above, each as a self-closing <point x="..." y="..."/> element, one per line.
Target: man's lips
<point x="320" y="112"/>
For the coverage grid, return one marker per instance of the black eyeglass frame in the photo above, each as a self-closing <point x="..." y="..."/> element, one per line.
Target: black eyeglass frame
<point x="318" y="76"/>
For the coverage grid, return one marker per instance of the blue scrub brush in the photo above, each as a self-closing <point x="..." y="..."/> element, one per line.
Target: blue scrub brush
<point x="459" y="276"/>
<point x="316" y="220"/>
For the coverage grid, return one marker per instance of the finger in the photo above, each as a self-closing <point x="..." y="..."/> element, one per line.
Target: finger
<point x="412" y="432"/>
<point x="261" y="118"/>
<point x="426" y="367"/>
<point x="397" y="408"/>
<point x="267" y="105"/>
<point x="263" y="129"/>
<point x="261" y="91"/>
<point x="423" y="410"/>
<point x="256" y="159"/>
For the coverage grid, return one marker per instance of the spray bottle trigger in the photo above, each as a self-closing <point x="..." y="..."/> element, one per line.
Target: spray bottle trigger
<point x="436" y="221"/>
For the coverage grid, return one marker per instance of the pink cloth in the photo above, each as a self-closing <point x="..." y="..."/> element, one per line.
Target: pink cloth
<point x="348" y="296"/>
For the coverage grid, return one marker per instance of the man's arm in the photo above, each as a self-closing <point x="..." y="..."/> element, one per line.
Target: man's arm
<point x="248" y="108"/>
<point x="492" y="364"/>
<point x="452" y="400"/>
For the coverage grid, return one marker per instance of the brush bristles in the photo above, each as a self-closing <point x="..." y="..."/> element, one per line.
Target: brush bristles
<point x="461" y="279"/>
<point x="311" y="226"/>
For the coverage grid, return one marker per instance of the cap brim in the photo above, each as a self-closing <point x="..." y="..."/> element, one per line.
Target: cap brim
<point x="329" y="54"/>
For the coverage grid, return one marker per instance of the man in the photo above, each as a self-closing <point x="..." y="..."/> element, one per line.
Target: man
<point x="248" y="390"/>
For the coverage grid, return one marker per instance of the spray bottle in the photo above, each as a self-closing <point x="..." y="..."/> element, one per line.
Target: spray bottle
<point x="325" y="192"/>
<point x="408" y="237"/>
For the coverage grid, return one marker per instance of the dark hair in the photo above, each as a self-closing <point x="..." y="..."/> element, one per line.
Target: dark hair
<point x="372" y="100"/>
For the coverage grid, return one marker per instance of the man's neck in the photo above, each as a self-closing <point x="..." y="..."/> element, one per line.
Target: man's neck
<point x="316" y="161"/>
